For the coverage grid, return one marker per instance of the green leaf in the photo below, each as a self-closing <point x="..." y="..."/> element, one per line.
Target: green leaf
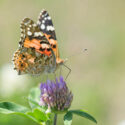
<point x="83" y="114"/>
<point x="12" y="108"/>
<point x="68" y="118"/>
<point x="34" y="98"/>
<point x="9" y="108"/>
<point x="39" y="115"/>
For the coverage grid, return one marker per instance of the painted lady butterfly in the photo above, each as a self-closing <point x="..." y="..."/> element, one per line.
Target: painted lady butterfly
<point x="38" y="49"/>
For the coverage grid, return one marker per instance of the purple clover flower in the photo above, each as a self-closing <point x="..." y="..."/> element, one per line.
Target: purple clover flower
<point x="55" y="95"/>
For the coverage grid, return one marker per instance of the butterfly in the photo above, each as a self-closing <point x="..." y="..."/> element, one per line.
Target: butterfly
<point x="38" y="50"/>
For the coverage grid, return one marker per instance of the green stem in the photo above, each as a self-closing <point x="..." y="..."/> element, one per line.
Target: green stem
<point x="55" y="119"/>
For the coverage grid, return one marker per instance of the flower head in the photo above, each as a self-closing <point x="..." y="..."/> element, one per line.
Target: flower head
<point x="55" y="95"/>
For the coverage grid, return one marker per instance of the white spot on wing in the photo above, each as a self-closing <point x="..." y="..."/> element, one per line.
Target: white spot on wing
<point x="29" y="33"/>
<point x="40" y="34"/>
<point x="34" y="25"/>
<point x="49" y="18"/>
<point x="50" y="28"/>
<point x="36" y="34"/>
<point x="22" y="35"/>
<point x="45" y="46"/>
<point x="43" y="21"/>
<point x="42" y="26"/>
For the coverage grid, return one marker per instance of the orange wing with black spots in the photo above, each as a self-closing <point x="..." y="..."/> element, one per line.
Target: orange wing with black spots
<point x="28" y="62"/>
<point x="34" y="55"/>
<point x="32" y="37"/>
<point x="38" y="48"/>
<point x="46" y="26"/>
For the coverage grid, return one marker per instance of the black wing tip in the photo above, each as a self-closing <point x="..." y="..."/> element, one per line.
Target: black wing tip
<point x="43" y="11"/>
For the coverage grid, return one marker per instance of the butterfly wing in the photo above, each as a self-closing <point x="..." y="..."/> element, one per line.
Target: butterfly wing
<point x="32" y="37"/>
<point x="46" y="26"/>
<point x="39" y="57"/>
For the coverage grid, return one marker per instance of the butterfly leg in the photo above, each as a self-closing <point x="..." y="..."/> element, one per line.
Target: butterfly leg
<point x="68" y="69"/>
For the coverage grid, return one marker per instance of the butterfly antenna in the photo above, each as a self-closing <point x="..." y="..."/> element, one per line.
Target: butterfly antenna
<point x="84" y="50"/>
<point x="68" y="69"/>
<point x="76" y="54"/>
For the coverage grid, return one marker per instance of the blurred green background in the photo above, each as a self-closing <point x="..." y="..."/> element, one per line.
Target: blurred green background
<point x="97" y="79"/>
